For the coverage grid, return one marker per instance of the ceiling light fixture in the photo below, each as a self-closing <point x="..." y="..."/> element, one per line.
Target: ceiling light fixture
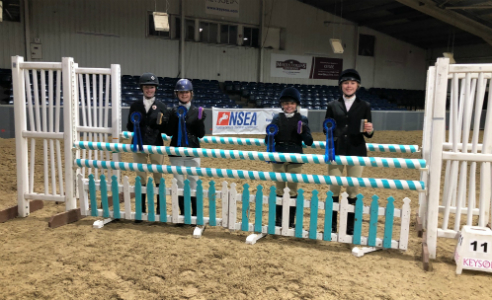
<point x="161" y="19"/>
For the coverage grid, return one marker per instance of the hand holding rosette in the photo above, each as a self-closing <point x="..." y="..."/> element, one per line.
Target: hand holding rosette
<point x="329" y="125"/>
<point x="136" y="117"/>
<point x="181" y="112"/>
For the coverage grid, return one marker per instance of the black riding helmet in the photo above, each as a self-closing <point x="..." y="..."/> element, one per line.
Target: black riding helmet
<point x="290" y="94"/>
<point x="349" y="74"/>
<point x="148" y="79"/>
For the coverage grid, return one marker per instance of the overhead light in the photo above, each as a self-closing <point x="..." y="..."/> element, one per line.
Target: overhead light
<point x="449" y="55"/>
<point x="245" y="39"/>
<point x="161" y="21"/>
<point x="200" y="29"/>
<point x="336" y="45"/>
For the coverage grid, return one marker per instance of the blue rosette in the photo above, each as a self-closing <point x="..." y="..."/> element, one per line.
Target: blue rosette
<point x="137" y="144"/>
<point x="329" y="125"/>
<point x="181" y="112"/>
<point x="271" y="131"/>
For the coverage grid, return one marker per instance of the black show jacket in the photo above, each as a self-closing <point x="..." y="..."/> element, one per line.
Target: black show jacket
<point x="349" y="140"/>
<point x="153" y="122"/>
<point x="195" y="128"/>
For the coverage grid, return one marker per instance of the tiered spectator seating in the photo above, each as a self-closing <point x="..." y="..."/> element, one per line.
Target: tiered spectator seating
<point x="402" y="99"/>
<point x="265" y="95"/>
<point x="87" y="93"/>
<point x="318" y="96"/>
<point x="376" y="102"/>
<point x="207" y="93"/>
<point x="39" y="88"/>
<point x="5" y="85"/>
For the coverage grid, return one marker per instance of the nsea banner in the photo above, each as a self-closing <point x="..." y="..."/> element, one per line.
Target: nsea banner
<point x="225" y="8"/>
<point x="243" y="121"/>
<point x="306" y="67"/>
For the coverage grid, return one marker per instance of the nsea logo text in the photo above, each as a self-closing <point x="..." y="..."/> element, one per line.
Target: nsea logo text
<point x="229" y="118"/>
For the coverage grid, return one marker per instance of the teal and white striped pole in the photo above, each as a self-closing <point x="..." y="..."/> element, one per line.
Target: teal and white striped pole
<point x="381" y="162"/>
<point x="316" y="145"/>
<point x="256" y="175"/>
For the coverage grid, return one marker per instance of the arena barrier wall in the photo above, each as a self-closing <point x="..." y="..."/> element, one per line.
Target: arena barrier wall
<point x="245" y="212"/>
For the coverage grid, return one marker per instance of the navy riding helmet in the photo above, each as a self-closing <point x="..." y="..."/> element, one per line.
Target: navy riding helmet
<point x="290" y="93"/>
<point x="183" y="85"/>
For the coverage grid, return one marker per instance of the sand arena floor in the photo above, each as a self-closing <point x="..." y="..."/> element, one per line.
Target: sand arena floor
<point x="159" y="261"/>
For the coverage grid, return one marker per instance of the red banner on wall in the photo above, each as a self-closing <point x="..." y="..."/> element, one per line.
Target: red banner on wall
<point x="326" y="68"/>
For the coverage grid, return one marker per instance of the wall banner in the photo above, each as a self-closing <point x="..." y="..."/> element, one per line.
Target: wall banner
<point x="305" y="67"/>
<point x="225" y="8"/>
<point x="243" y="121"/>
<point x="326" y="68"/>
<point x="290" y="66"/>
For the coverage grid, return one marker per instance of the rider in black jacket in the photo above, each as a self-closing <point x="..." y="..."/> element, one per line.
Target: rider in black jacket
<point x="153" y="121"/>
<point x="195" y="129"/>
<point x="289" y="140"/>
<point x="350" y="114"/>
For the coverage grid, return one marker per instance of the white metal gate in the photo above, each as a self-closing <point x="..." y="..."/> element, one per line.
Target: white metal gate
<point x="459" y="148"/>
<point x="41" y="91"/>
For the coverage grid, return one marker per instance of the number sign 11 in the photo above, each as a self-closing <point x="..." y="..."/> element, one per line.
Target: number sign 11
<point x="472" y="251"/>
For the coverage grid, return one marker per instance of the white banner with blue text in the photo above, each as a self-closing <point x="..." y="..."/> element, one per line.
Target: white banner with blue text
<point x="243" y="120"/>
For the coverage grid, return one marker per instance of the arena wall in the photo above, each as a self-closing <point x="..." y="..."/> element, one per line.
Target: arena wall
<point x="99" y="33"/>
<point x="12" y="41"/>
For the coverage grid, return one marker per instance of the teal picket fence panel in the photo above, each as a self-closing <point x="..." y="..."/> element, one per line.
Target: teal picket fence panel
<point x="362" y="235"/>
<point x="162" y="200"/>
<point x="199" y="203"/>
<point x="212" y="204"/>
<point x="150" y="200"/>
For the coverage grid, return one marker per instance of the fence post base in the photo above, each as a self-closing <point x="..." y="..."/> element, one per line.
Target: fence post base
<point x="253" y="238"/>
<point x="197" y="233"/>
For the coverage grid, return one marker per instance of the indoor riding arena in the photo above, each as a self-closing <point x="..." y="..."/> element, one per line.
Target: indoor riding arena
<point x="395" y="92"/>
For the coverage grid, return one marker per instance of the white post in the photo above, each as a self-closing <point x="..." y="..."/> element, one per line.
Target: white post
<point x="232" y="207"/>
<point x="76" y="123"/>
<point x="429" y="99"/>
<point x="20" y="142"/>
<point x="485" y="180"/>
<point x="127" y="199"/>
<point x="83" y="196"/>
<point x="174" y="200"/>
<point x="285" y="212"/>
<point x="70" y="122"/>
<point x="225" y="204"/>
<point x="436" y="149"/>
<point x="116" y="110"/>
